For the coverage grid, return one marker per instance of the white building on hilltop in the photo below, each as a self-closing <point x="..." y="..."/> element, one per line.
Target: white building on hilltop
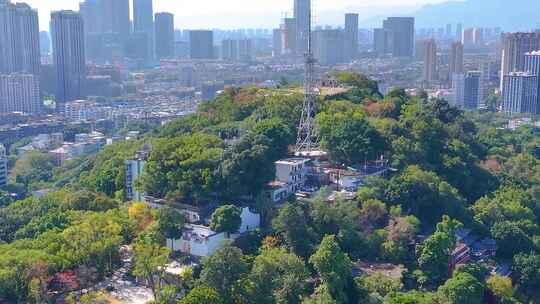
<point x="293" y="172"/>
<point x="291" y="176"/>
<point x="201" y="241"/>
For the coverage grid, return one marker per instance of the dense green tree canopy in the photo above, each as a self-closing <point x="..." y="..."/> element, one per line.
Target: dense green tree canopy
<point x="108" y="174"/>
<point x="462" y="288"/>
<point x="292" y="226"/>
<point x="527" y="274"/>
<point x="183" y="167"/>
<point x="223" y="270"/>
<point x="150" y="260"/>
<point x="335" y="270"/>
<point x="170" y="223"/>
<point x="5" y="199"/>
<point x="278" y="277"/>
<point x="434" y="252"/>
<point x="361" y="86"/>
<point x="348" y="137"/>
<point x="445" y="164"/>
<point x="511" y="240"/>
<point x="247" y="166"/>
<point x="202" y="295"/>
<point x="33" y="168"/>
<point x="507" y="204"/>
<point x="425" y="195"/>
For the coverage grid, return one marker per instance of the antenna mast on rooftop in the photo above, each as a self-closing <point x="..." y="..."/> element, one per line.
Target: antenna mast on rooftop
<point x="307" y="141"/>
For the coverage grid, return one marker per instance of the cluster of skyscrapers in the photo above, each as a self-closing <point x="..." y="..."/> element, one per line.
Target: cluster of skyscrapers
<point x="330" y="46"/>
<point x="110" y="36"/>
<point x="127" y="33"/>
<point x="520" y="73"/>
<point x="240" y="50"/>
<point x="469" y="88"/>
<point x="19" y="58"/>
<point x="520" y="89"/>
<point x="396" y="37"/>
<point x="100" y="32"/>
<point x="519" y="69"/>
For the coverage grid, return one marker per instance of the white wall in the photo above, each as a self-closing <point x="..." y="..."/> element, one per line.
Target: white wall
<point x="196" y="248"/>
<point x="207" y="246"/>
<point x="250" y="221"/>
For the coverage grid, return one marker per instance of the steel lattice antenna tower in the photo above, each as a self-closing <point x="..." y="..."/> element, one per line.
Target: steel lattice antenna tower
<point x="307" y="140"/>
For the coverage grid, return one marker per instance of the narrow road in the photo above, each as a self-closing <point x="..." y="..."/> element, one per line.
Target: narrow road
<point x="125" y="289"/>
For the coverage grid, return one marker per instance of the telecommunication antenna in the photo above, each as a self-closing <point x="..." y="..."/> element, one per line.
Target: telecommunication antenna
<point x="307" y="141"/>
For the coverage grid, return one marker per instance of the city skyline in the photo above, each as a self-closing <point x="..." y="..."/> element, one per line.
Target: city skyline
<point x="206" y="14"/>
<point x="269" y="151"/>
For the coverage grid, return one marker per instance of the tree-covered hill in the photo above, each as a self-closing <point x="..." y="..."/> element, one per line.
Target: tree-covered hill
<point x="452" y="170"/>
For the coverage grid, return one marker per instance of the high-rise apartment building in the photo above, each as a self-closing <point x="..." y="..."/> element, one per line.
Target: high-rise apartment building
<point x="143" y="16"/>
<point x="119" y="17"/>
<point x="19" y="38"/>
<point x="472" y="90"/>
<point x="514" y="47"/>
<point x="430" y="61"/>
<point x="107" y="28"/>
<point x="467" y="90"/>
<point x="351" y="37"/>
<point x="459" y="31"/>
<point x="478" y="36"/>
<point x="302" y="15"/>
<point x="229" y="49"/>
<point x="164" y="24"/>
<point x="532" y="66"/>
<point x="288" y="36"/>
<point x="458" y="90"/>
<point x="520" y="93"/>
<point x="106" y="16"/>
<point x="402" y="29"/>
<point x="143" y="22"/>
<point x="328" y="46"/>
<point x="484" y="66"/>
<point x="277" y="46"/>
<point x="455" y="63"/>
<point x="201" y="44"/>
<point x="67" y="29"/>
<point x="382" y="41"/>
<point x="20" y="93"/>
<point x="448" y="33"/>
<point x="3" y="166"/>
<point x="467" y="37"/>
<point x="245" y="50"/>
<point x="90" y="11"/>
<point x="456" y="59"/>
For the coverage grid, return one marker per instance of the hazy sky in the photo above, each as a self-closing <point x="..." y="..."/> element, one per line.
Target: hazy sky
<point x="241" y="13"/>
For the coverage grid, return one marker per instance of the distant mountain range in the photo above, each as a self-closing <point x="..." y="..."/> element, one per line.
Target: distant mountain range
<point x="510" y="15"/>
